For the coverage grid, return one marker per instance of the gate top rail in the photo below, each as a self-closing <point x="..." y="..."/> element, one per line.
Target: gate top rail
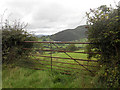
<point x="58" y="42"/>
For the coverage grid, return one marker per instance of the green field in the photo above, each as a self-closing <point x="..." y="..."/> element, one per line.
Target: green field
<point x="45" y="60"/>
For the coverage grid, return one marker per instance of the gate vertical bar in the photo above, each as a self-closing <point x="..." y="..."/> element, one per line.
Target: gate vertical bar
<point x="51" y="55"/>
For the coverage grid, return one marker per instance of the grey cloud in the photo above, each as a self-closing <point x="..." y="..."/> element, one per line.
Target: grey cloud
<point x="53" y="16"/>
<point x="50" y="16"/>
<point x="21" y="6"/>
<point x="44" y="30"/>
<point x="45" y="17"/>
<point x="52" y="13"/>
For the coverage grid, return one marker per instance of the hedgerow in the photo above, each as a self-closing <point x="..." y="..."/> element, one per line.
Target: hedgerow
<point x="13" y="37"/>
<point x="104" y="32"/>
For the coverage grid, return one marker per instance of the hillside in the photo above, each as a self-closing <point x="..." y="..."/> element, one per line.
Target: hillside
<point x="70" y="34"/>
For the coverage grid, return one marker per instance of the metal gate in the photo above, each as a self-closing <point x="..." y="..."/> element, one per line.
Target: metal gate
<point x="53" y="55"/>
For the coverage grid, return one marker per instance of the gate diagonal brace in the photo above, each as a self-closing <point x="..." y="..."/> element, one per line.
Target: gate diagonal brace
<point x="74" y="60"/>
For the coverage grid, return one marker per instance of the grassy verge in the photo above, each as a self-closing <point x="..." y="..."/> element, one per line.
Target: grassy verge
<point x="19" y="77"/>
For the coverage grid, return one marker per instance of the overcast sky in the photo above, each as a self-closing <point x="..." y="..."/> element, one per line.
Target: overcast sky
<point x="50" y="16"/>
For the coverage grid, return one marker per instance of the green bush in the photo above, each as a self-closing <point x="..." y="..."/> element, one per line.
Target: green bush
<point x="71" y="47"/>
<point x="13" y="37"/>
<point x="104" y="32"/>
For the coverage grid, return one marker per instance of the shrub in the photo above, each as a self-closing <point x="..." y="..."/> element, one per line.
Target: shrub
<point x="71" y="47"/>
<point x="13" y="37"/>
<point x="104" y="31"/>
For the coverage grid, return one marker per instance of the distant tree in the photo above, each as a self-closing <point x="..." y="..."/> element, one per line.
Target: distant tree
<point x="71" y="47"/>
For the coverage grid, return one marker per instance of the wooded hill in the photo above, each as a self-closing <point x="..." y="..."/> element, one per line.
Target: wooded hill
<point x="70" y="34"/>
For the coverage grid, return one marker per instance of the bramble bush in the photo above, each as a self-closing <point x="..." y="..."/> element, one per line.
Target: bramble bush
<point x="104" y="32"/>
<point x="13" y="37"/>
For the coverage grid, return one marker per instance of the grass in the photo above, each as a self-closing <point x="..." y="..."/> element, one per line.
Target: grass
<point x="27" y="78"/>
<point x="22" y="76"/>
<point x="19" y="77"/>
